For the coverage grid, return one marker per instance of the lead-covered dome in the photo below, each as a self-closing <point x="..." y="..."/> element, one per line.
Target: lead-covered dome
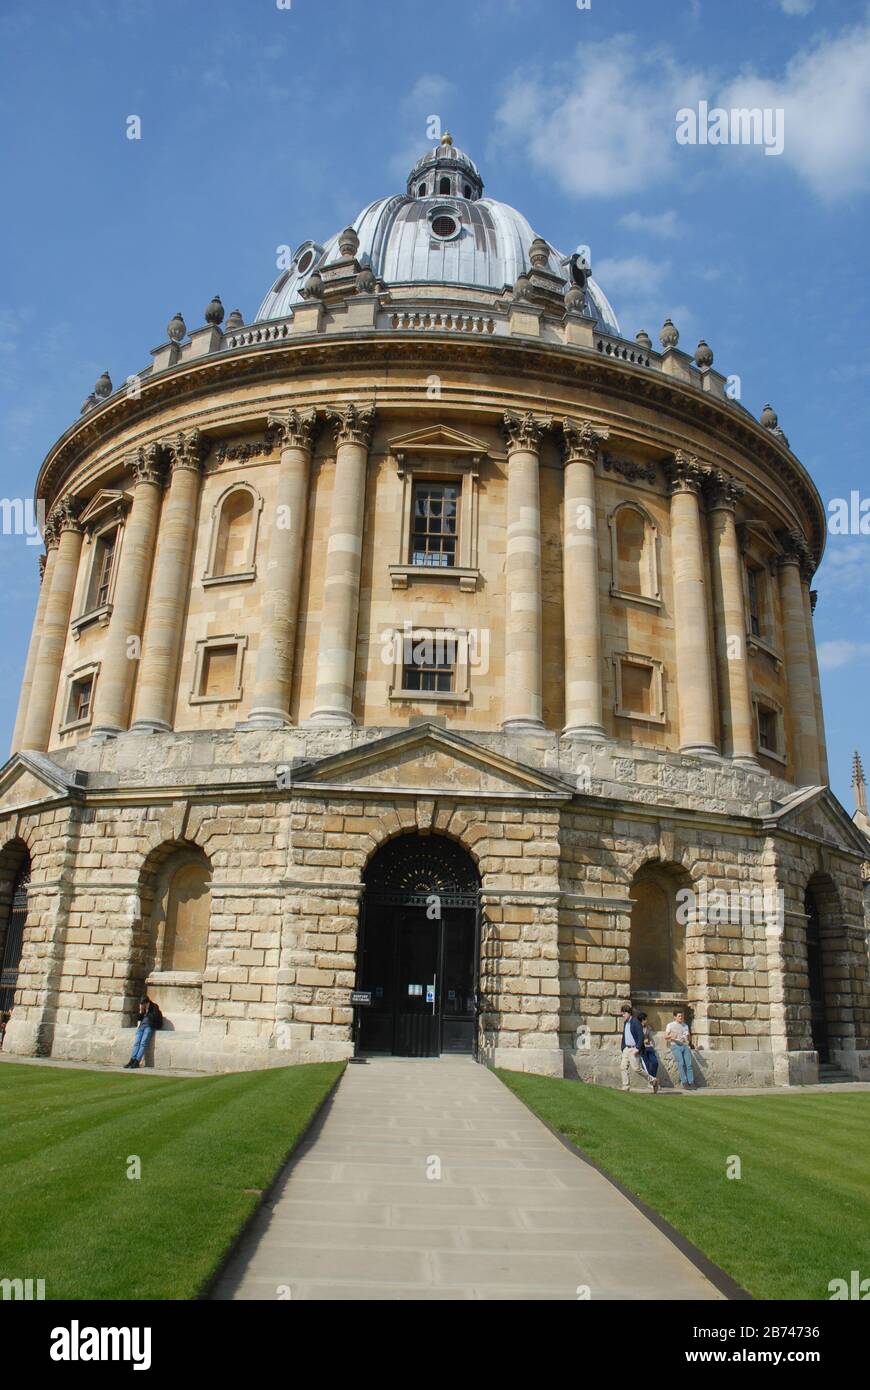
<point x="441" y="232"/>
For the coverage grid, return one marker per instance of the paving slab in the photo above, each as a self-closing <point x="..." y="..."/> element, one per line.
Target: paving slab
<point x="429" y="1180"/>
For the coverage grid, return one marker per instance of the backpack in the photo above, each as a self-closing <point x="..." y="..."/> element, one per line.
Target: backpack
<point x="156" y="1018"/>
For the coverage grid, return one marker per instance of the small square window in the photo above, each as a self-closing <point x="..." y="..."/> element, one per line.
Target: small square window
<point x="430" y="665"/>
<point x="80" y="701"/>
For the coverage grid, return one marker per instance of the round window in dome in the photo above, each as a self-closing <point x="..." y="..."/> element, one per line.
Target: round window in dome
<point x="306" y="261"/>
<point x="445" y="226"/>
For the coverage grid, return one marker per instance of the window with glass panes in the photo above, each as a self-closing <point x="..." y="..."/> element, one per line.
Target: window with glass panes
<point x="104" y="563"/>
<point x="435" y="524"/>
<point x="754" y="581"/>
<point x="429" y="663"/>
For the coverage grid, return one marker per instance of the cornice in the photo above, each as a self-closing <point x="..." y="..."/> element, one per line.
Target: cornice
<point x="518" y="357"/>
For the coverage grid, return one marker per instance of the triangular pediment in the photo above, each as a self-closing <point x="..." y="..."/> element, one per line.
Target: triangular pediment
<point x="106" y="502"/>
<point x="31" y="779"/>
<point x="427" y="761"/>
<point x="816" y="812"/>
<point x="438" y="439"/>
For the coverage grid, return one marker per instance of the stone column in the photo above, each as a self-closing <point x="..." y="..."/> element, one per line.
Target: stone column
<point x="810" y="597"/>
<point x="117" y="672"/>
<point x="46" y="569"/>
<point x="270" y="707"/>
<point x="333" y="696"/>
<point x="583" y="674"/>
<point x="730" y="620"/>
<point x="161" y="646"/>
<point x="523" y="683"/>
<point x="694" y="666"/>
<point x="55" y="624"/>
<point x="802" y="708"/>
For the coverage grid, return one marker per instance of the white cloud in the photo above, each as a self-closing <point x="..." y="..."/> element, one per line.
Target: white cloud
<point x="825" y="94"/>
<point x="660" y="224"/>
<point x="838" y="653"/>
<point x="602" y="123"/>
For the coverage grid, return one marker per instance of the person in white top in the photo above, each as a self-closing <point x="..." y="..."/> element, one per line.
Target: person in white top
<point x="678" y="1035"/>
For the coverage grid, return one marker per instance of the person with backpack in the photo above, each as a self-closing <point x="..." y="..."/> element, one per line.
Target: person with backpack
<point x="150" y="1019"/>
<point x="649" y="1057"/>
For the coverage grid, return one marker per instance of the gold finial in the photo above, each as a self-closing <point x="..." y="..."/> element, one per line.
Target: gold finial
<point x="447" y="138"/>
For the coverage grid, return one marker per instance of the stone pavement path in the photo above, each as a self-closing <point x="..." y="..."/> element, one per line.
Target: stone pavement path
<point x="514" y="1214"/>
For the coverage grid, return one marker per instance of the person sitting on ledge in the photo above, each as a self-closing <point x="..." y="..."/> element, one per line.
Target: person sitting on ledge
<point x="150" y="1019"/>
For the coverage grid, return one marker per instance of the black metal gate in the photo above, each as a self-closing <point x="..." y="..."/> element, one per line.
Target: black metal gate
<point x="13" y="942"/>
<point x="418" y="949"/>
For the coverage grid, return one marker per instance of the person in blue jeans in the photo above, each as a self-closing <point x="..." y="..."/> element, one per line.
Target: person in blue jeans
<point x="679" y="1035"/>
<point x="149" y="1013"/>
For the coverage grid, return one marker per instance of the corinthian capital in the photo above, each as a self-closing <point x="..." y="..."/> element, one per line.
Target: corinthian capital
<point x="144" y="464"/>
<point x="186" y="451"/>
<point x="293" y="428"/>
<point x="352" y="424"/>
<point x="723" y="491"/>
<point x="685" y="473"/>
<point x="582" y="441"/>
<point x="796" y="551"/>
<point x="63" y="517"/>
<point x="525" y="431"/>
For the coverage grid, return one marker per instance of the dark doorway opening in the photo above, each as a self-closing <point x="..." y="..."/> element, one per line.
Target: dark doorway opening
<point x="13" y="935"/>
<point x="419" y="949"/>
<point x="816" y="978"/>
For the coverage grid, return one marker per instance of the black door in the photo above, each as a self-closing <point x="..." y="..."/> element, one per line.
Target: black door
<point x="816" y="981"/>
<point x="13" y="942"/>
<point x="418" y="949"/>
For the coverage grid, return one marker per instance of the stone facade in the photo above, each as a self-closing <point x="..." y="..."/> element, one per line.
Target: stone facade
<point x="218" y="693"/>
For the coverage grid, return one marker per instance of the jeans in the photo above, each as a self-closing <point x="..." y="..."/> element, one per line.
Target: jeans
<point x="683" y="1054"/>
<point x="143" y="1038"/>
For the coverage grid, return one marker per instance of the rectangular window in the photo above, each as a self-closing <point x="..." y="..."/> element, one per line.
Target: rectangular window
<point x="754" y="584"/>
<point x="435" y="524"/>
<point x="80" y="700"/>
<point x="767" y="729"/>
<point x="430" y="664"/>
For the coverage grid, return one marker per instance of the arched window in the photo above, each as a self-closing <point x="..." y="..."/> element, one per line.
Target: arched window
<point x="634" y="554"/>
<point x="236" y="519"/>
<point x="14" y="878"/>
<point x="185" y="938"/>
<point x="658" y="934"/>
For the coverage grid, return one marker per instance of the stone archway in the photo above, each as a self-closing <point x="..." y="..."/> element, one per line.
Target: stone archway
<point x="419" y="948"/>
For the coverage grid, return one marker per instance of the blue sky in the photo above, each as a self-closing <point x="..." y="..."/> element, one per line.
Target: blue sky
<point x="264" y="125"/>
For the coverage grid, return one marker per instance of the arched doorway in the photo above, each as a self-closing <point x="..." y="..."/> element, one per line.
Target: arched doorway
<point x="419" y="949"/>
<point x="14" y="917"/>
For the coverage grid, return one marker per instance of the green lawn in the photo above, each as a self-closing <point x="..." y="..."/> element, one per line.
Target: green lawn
<point x="70" y="1215"/>
<point x="798" y="1217"/>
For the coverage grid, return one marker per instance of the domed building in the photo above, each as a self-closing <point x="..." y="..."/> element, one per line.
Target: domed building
<point x="427" y="667"/>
